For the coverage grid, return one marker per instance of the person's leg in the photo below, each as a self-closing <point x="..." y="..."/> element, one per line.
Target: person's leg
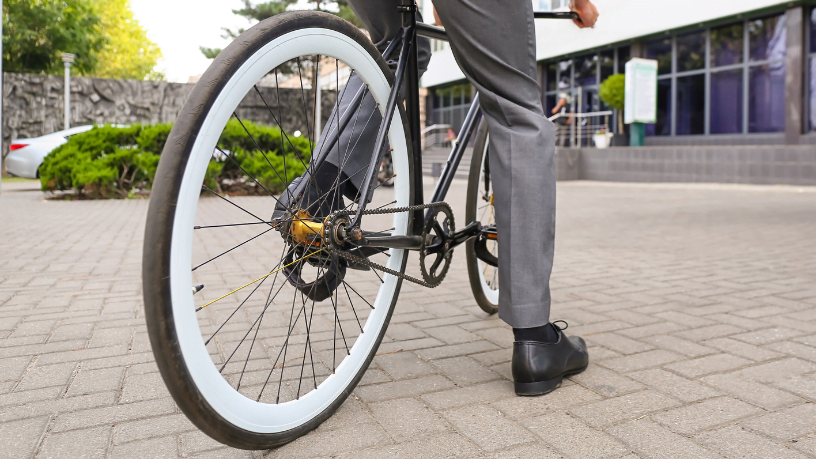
<point x="352" y="152"/>
<point x="494" y="46"/>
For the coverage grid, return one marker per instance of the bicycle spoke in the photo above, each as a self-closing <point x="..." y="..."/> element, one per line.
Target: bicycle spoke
<point x="352" y="308"/>
<point x="230" y="224"/>
<point x="305" y="110"/>
<point x="258" y="147"/>
<point x="280" y="127"/>
<point x="322" y="198"/>
<point x="245" y="300"/>
<point x="230" y="250"/>
<point x="361" y="296"/>
<point x="206" y="188"/>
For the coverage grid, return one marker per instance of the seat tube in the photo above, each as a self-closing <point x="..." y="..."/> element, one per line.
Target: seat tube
<point x="408" y="9"/>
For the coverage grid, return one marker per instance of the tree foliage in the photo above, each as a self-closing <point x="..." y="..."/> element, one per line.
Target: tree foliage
<point x="36" y="32"/>
<point x="260" y="11"/>
<point x="103" y="35"/>
<point x="128" y="52"/>
<point x="613" y="93"/>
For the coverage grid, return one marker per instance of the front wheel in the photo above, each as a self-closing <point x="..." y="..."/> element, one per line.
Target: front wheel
<point x="482" y="272"/>
<point x="259" y="332"/>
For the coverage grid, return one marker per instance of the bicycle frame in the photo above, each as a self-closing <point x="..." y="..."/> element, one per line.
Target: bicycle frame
<point x="407" y="72"/>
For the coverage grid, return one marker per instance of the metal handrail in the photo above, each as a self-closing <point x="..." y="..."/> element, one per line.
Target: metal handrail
<point x="580" y="115"/>
<point x="436" y="132"/>
<point x="432" y="127"/>
<point x="581" y="129"/>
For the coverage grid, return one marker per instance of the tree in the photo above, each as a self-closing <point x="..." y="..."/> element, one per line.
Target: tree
<point x="261" y="11"/>
<point x="36" y="32"/>
<point x="128" y="52"/>
<point x="613" y="93"/>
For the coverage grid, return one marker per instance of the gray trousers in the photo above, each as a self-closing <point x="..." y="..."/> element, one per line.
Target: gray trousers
<point x="494" y="45"/>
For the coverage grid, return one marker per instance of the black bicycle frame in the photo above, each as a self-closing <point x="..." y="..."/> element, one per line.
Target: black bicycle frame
<point x="407" y="74"/>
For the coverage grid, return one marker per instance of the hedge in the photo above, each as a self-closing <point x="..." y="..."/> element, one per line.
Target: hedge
<point x="120" y="162"/>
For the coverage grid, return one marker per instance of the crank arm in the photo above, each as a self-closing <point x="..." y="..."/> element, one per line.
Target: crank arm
<point x="472" y="230"/>
<point x="480" y="245"/>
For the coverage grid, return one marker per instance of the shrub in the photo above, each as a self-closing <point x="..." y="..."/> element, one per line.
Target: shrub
<point x="105" y="162"/>
<point x="613" y="93"/>
<point x="118" y="162"/>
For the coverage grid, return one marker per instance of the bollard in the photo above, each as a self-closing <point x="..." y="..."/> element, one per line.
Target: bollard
<point x="436" y="170"/>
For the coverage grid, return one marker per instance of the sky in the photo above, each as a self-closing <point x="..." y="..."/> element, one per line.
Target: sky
<point x="179" y="27"/>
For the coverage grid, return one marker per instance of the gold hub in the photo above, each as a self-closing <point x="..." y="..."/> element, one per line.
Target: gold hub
<point x="305" y="231"/>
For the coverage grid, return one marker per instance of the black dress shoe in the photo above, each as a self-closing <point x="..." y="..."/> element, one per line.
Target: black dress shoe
<point x="539" y="368"/>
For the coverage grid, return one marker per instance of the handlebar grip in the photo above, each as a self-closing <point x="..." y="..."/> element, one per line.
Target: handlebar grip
<point x="555" y="15"/>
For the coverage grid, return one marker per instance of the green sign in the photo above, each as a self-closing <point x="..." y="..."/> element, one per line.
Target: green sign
<point x="641" y="91"/>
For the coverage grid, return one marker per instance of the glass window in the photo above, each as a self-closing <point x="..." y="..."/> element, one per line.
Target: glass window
<point x="565" y="75"/>
<point x="690" y="105"/>
<point x="552" y="71"/>
<point x="607" y="64"/>
<point x="586" y="70"/>
<point x="726" y="45"/>
<point x="623" y="57"/>
<point x="813" y="30"/>
<point x="766" y="38"/>
<point x="812" y="93"/>
<point x="690" y="51"/>
<point x="550" y="103"/>
<point x="663" y="125"/>
<point x="661" y="50"/>
<point x="726" y="102"/>
<point x="445" y="95"/>
<point x="466" y="94"/>
<point x="590" y="101"/>
<point x="766" y="98"/>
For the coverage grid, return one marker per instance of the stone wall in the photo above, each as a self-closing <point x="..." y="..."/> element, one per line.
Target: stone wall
<point x="33" y="105"/>
<point x="752" y="164"/>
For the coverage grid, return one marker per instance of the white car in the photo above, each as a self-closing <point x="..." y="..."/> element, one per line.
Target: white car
<point x="27" y="154"/>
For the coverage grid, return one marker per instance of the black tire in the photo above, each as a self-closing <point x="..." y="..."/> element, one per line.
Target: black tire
<point x="162" y="329"/>
<point x="471" y="211"/>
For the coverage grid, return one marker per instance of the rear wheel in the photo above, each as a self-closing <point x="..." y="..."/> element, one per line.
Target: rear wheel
<point x="259" y="332"/>
<point x="482" y="270"/>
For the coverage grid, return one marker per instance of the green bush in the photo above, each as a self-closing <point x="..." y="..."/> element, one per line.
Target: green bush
<point x="120" y="162"/>
<point x="613" y="93"/>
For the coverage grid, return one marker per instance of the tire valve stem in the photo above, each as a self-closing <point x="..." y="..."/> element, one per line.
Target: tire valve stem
<point x="198" y="288"/>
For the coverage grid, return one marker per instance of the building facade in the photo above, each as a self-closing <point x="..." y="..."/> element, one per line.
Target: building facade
<point x="729" y="73"/>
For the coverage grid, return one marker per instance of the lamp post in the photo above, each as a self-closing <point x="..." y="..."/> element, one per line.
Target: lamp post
<point x="68" y="58"/>
<point x="1" y="93"/>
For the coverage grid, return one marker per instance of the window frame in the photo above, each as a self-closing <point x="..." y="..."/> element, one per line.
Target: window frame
<point x="591" y="87"/>
<point x="707" y="70"/>
<point x="809" y="59"/>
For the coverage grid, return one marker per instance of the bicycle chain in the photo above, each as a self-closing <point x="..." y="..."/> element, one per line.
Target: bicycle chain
<point x="380" y="267"/>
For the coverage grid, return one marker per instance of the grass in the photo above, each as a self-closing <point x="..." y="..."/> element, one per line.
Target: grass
<point x="17" y="179"/>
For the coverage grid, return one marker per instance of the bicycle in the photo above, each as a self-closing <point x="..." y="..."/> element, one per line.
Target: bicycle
<point x="270" y="383"/>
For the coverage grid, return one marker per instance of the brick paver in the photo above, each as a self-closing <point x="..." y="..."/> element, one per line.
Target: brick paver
<point x="698" y="303"/>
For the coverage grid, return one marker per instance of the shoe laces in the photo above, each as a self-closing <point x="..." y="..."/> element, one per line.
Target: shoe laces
<point x="566" y="325"/>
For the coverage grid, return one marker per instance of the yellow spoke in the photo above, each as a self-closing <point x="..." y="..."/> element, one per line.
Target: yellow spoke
<point x="261" y="278"/>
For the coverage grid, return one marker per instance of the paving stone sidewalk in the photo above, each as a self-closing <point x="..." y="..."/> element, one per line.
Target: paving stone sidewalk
<point x="698" y="302"/>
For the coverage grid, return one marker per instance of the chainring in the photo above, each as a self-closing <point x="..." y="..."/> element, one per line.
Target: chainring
<point x="366" y="262"/>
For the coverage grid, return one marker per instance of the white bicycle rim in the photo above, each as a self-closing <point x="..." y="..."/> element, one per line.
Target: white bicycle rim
<point x="233" y="406"/>
<point x="492" y="294"/>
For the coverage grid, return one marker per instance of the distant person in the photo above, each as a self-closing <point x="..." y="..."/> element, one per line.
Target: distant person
<point x="562" y="123"/>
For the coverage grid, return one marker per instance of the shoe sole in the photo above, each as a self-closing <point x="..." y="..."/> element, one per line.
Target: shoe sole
<point x="543" y="387"/>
